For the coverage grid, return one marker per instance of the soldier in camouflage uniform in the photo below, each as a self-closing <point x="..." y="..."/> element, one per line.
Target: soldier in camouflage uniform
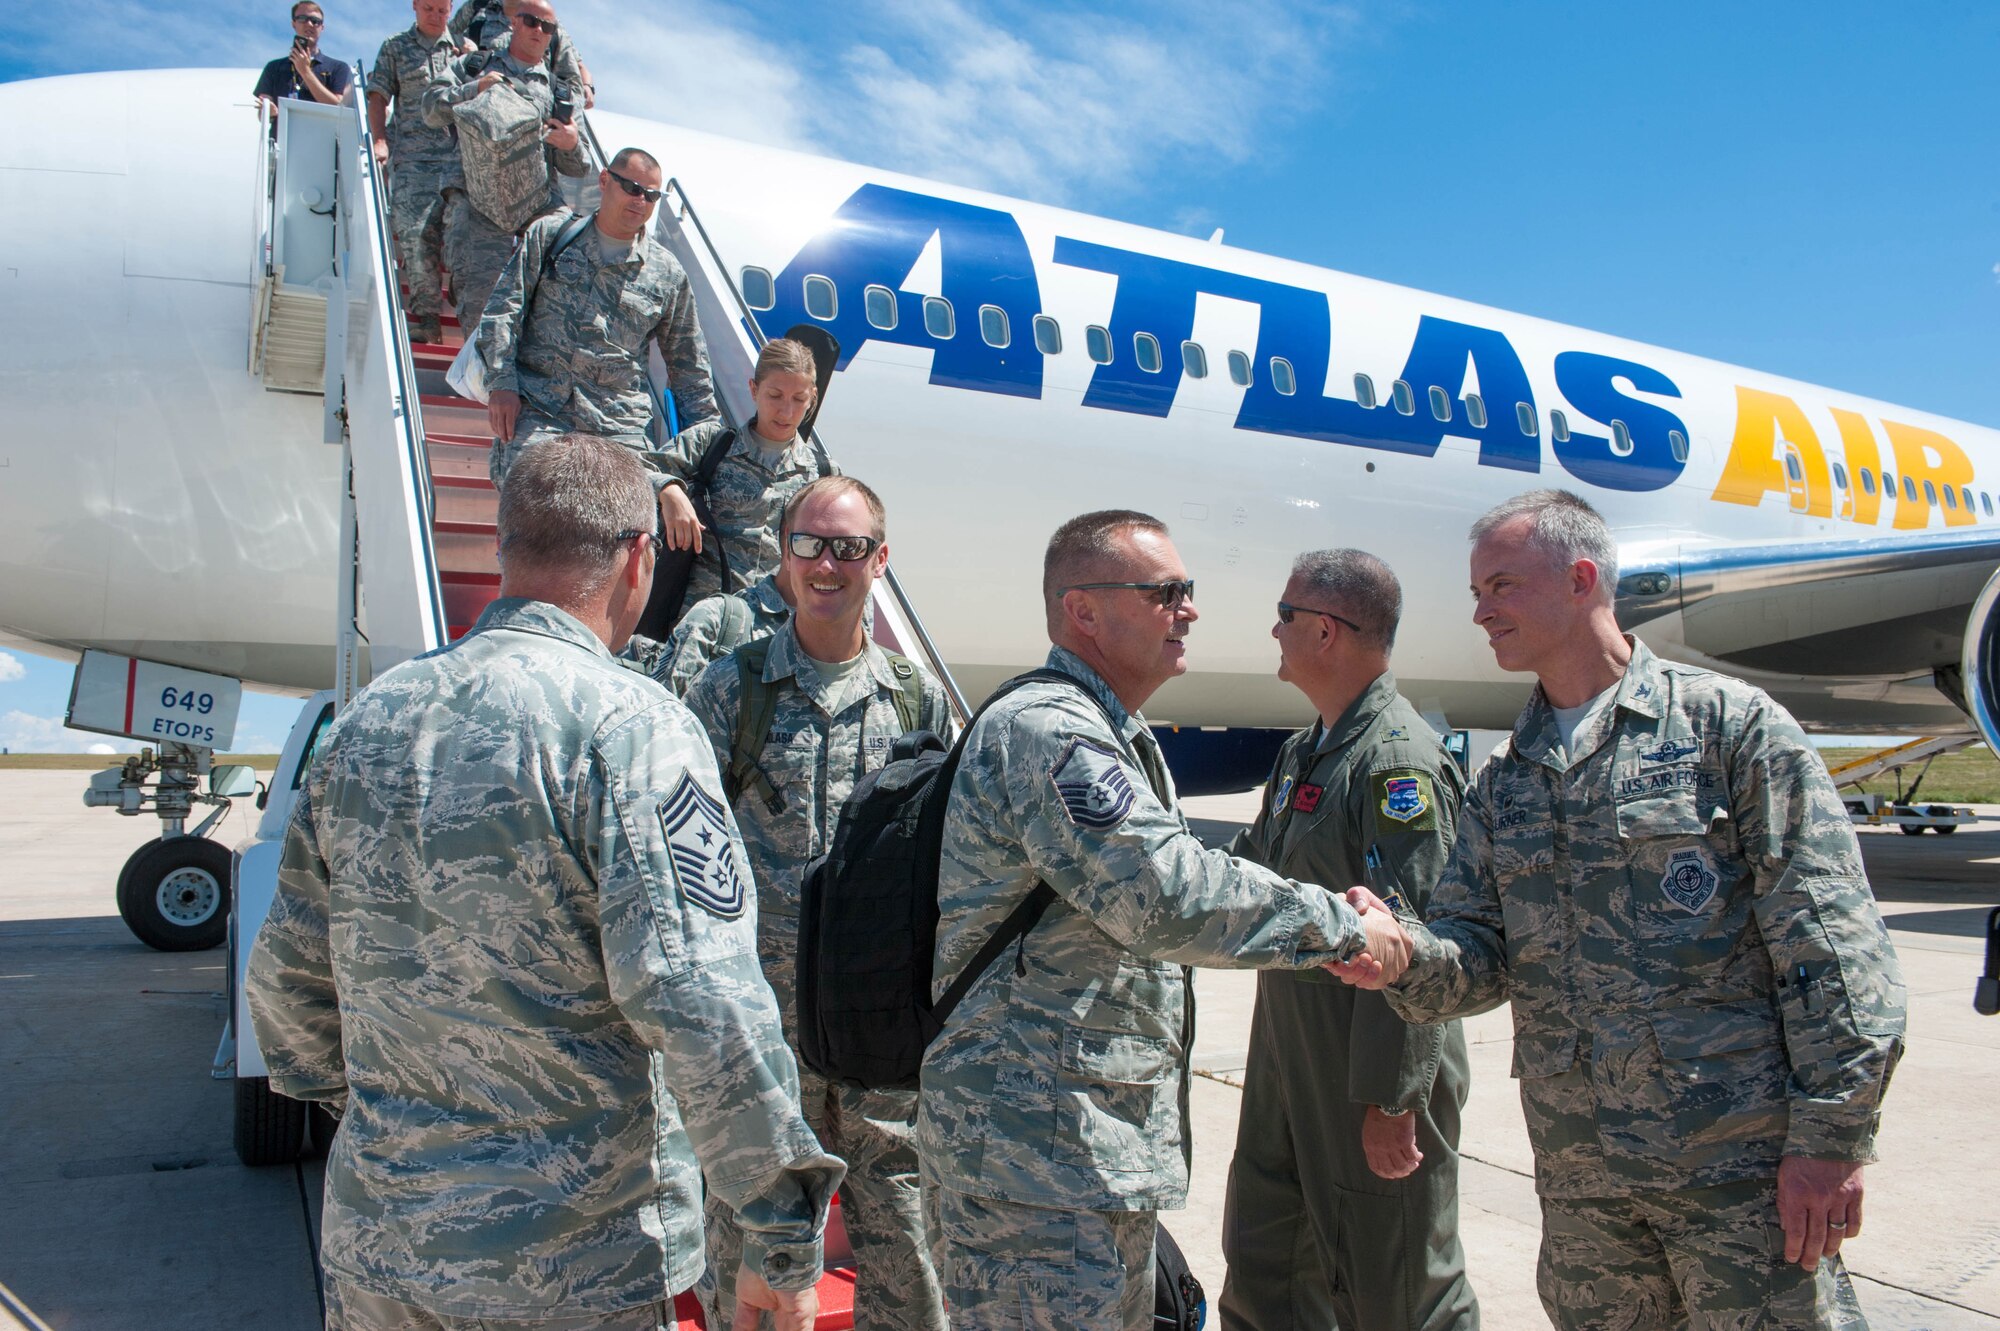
<point x="1657" y="872"/>
<point x="1343" y="1194"/>
<point x="767" y="462"/>
<point x="476" y="248"/>
<point x="838" y="702"/>
<point x="419" y="156"/>
<point x="565" y="334"/>
<point x="1054" y="1110"/>
<point x="487" y="23"/>
<point x="718" y="626"/>
<point x="514" y="938"/>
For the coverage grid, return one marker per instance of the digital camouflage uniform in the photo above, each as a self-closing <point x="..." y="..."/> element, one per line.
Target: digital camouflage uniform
<point x="824" y="737"/>
<point x="718" y="626"/>
<point x="420" y="160"/>
<point x="1314" y="1237"/>
<point x="1701" y="984"/>
<point x="479" y="21"/>
<point x="571" y="338"/>
<point x="514" y="934"/>
<point x="475" y="247"/>
<point x="754" y="482"/>
<point x="1054" y="1110"/>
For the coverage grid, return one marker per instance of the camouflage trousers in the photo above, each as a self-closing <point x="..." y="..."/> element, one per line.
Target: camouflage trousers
<point x="475" y="250"/>
<point x="350" y="1308"/>
<point x="881" y="1205"/>
<point x="1709" y="1259"/>
<point x="531" y="430"/>
<point x="416" y="213"/>
<point x="1009" y="1267"/>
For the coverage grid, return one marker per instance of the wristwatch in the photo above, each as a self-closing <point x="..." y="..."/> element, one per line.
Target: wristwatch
<point x="1391" y="1113"/>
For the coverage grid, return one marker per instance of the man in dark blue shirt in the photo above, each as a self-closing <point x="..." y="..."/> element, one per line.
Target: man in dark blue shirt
<point x="304" y="75"/>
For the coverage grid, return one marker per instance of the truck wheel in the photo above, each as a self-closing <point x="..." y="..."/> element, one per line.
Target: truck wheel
<point x="1912" y="829"/>
<point x="270" y="1128"/>
<point x="174" y="894"/>
<point x="1945" y="829"/>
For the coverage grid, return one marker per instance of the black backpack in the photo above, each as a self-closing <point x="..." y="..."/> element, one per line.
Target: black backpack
<point x="868" y="917"/>
<point x="1179" y="1302"/>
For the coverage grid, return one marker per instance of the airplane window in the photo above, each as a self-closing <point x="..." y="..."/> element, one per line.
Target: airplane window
<point x="993" y="326"/>
<point x="1792" y="468"/>
<point x="1048" y="336"/>
<point x="1440" y="403"/>
<point x="1986" y="503"/>
<point x="1558" y="427"/>
<point x="821" y="303"/>
<point x="939" y="321"/>
<point x="1888" y="485"/>
<point x="1621" y="439"/>
<point x="1406" y="401"/>
<point x="1910" y="489"/>
<point x="1867" y="481"/>
<point x="1282" y="378"/>
<point x="1146" y="350"/>
<point x="1239" y="368"/>
<point x="1475" y="411"/>
<point x="1950" y="495"/>
<point x="1364" y="392"/>
<point x="1930" y="493"/>
<point x="1194" y="360"/>
<point x="1097" y="343"/>
<point x="1524" y="412"/>
<point x="1840" y="475"/>
<point x="759" y="292"/>
<point x="1677" y="444"/>
<point x="880" y="304"/>
<point x="1967" y="492"/>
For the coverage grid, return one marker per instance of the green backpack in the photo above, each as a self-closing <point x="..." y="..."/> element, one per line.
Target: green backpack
<point x="757" y="707"/>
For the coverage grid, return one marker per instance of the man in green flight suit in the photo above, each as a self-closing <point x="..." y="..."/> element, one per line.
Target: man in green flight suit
<point x="1343" y="1194"/>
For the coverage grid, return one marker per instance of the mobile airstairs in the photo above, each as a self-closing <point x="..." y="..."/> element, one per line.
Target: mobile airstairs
<point x="418" y="512"/>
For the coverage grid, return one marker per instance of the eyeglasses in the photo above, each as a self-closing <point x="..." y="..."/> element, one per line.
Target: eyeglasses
<point x="546" y="25"/>
<point x="314" y="19"/>
<point x="632" y="533"/>
<point x="1169" y="594"/>
<point x="1285" y="613"/>
<point x="846" y="549"/>
<point x="634" y="188"/>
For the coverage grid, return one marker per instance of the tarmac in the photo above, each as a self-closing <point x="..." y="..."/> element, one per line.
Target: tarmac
<point x="122" y="1204"/>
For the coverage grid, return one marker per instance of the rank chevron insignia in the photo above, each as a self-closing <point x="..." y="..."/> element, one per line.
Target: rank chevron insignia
<point x="700" y="851"/>
<point x="1092" y="783"/>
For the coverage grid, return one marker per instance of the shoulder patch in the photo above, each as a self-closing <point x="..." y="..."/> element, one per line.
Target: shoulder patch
<point x="1282" y="796"/>
<point x="699" y="850"/>
<point x="1093" y="785"/>
<point x="1405" y="800"/>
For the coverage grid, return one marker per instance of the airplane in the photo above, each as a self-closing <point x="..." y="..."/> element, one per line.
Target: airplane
<point x="1005" y="365"/>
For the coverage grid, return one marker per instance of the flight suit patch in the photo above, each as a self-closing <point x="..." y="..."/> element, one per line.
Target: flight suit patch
<point x="1282" y="796"/>
<point x="1307" y="800"/>
<point x="1405" y="799"/>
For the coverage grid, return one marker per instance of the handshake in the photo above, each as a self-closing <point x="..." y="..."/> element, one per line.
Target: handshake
<point x="1386" y="953"/>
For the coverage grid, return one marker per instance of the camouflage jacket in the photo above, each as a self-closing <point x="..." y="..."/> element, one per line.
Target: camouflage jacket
<point x="514" y="932"/>
<point x="491" y="30"/>
<point x="1376" y="805"/>
<point x="1700" y="979"/>
<point x="404" y="67"/>
<point x="571" y="337"/>
<point x="823" y="740"/>
<point x="478" y="21"/>
<point x="718" y="626"/>
<point x="752" y="485"/>
<point x="1062" y="1078"/>
<point x="459" y="82"/>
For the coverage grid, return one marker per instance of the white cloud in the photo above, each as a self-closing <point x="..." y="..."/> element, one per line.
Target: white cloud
<point x="23" y="732"/>
<point x="11" y="668"/>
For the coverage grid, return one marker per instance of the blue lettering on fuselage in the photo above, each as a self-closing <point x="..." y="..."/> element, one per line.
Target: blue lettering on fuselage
<point x="878" y="234"/>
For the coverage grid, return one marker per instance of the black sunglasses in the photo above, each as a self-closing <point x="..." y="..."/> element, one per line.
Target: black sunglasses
<point x="846" y="549"/>
<point x="1169" y="594"/>
<point x="314" y="19"/>
<point x="1285" y="613"/>
<point x="546" y="25"/>
<point x="634" y="188"/>
<point x="631" y="533"/>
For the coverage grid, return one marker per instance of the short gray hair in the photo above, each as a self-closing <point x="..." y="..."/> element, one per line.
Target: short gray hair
<point x="1085" y="549"/>
<point x="626" y="156"/>
<point x="1565" y="529"/>
<point x="1357" y="586"/>
<point x="565" y="502"/>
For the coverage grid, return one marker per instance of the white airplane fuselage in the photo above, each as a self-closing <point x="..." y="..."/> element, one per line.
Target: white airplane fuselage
<point x="161" y="502"/>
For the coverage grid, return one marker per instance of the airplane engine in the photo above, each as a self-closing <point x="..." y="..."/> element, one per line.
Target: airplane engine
<point x="1980" y="662"/>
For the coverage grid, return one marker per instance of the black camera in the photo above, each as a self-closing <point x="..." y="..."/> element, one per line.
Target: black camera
<point x="300" y="44"/>
<point x="565" y="106"/>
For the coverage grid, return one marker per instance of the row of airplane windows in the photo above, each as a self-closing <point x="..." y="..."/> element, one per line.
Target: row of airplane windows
<point x="880" y="307"/>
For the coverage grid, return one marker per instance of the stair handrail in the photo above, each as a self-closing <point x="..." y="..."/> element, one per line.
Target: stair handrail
<point x="684" y="209"/>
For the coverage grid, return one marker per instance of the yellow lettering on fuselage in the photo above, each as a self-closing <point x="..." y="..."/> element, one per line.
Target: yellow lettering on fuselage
<point x="1857" y="441"/>
<point x="1771" y="426"/>
<point x="1756" y="465"/>
<point x="1925" y="456"/>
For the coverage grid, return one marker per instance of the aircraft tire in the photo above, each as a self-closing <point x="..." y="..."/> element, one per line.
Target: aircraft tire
<point x="1946" y="829"/>
<point x="1912" y="829"/>
<point x="174" y="894"/>
<point x="270" y="1128"/>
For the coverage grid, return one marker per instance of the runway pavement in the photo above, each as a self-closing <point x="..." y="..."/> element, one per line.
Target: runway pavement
<point x="122" y="1204"/>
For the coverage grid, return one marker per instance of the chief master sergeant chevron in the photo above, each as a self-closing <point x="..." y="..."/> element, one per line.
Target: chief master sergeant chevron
<point x="1053" y="1120"/>
<point x="515" y="935"/>
<point x="1657" y="871"/>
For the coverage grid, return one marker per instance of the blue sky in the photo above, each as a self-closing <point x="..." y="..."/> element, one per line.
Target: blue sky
<point x="1808" y="190"/>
